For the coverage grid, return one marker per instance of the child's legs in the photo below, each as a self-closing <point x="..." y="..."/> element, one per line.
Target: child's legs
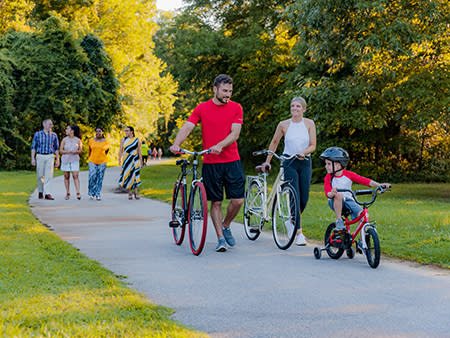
<point x="336" y="205"/>
<point x="354" y="208"/>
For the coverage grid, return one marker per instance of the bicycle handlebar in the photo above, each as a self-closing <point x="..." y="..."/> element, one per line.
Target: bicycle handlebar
<point x="381" y="189"/>
<point x="195" y="153"/>
<point x="280" y="157"/>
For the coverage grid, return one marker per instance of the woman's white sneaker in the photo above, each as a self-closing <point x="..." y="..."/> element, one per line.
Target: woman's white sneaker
<point x="301" y="240"/>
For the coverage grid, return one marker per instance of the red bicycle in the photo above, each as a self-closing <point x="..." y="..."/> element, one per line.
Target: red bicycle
<point x="192" y="211"/>
<point x="368" y="244"/>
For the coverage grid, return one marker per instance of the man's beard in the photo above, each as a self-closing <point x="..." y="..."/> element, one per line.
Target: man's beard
<point x="221" y="100"/>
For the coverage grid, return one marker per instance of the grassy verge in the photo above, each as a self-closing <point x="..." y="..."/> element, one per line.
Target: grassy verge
<point x="413" y="220"/>
<point x="49" y="289"/>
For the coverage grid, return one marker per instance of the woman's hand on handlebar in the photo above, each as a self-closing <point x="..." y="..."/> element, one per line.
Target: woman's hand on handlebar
<point x="266" y="165"/>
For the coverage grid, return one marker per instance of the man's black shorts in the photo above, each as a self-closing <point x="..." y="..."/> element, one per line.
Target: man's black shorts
<point x="230" y="175"/>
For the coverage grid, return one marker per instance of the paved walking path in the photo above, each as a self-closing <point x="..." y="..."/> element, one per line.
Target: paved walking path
<point x="254" y="289"/>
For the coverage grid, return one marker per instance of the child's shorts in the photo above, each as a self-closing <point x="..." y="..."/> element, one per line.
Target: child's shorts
<point x="349" y="207"/>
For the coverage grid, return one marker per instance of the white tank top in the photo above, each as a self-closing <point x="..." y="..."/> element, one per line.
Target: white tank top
<point x="296" y="139"/>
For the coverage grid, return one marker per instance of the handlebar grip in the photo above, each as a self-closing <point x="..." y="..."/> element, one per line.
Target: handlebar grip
<point x="364" y="192"/>
<point x="344" y="190"/>
<point x="257" y="153"/>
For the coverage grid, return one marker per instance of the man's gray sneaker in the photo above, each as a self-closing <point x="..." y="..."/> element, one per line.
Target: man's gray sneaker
<point x="340" y="224"/>
<point x="221" y="247"/>
<point x="228" y="236"/>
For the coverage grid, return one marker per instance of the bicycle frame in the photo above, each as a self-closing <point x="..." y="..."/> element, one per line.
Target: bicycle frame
<point x="364" y="221"/>
<point x="276" y="187"/>
<point x="363" y="217"/>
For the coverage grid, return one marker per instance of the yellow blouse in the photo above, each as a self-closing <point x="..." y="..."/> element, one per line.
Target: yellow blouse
<point x="98" y="151"/>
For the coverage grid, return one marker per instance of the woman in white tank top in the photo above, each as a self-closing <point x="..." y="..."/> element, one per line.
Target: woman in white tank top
<point x="299" y="138"/>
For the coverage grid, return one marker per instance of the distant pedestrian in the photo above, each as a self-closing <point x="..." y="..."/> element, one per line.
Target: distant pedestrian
<point x="160" y="153"/>
<point x="144" y="148"/>
<point x="154" y="153"/>
<point x="44" y="149"/>
<point x="70" y="158"/>
<point x="130" y="149"/>
<point x="98" y="149"/>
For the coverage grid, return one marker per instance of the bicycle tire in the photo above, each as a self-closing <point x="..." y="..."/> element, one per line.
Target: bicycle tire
<point x="178" y="207"/>
<point x="253" y="210"/>
<point x="373" y="248"/>
<point x="284" y="234"/>
<point x="198" y="218"/>
<point x="332" y="251"/>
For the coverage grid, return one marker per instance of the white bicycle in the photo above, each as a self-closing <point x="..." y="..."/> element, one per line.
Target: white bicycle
<point x="282" y="199"/>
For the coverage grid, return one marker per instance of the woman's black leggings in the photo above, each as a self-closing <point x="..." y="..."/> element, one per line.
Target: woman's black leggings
<point x="299" y="173"/>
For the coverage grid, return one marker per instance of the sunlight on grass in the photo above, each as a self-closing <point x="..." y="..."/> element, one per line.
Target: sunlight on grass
<point x="49" y="289"/>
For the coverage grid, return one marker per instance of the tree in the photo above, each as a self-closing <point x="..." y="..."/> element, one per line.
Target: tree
<point x="378" y="74"/>
<point x="247" y="40"/>
<point x="52" y="76"/>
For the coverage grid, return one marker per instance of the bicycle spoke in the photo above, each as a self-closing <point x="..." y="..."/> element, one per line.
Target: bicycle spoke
<point x="253" y="210"/>
<point x="284" y="217"/>
<point x="198" y="219"/>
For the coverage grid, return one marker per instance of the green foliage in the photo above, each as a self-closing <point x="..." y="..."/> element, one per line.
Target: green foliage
<point x="49" y="289"/>
<point x="52" y="76"/>
<point x="244" y="39"/>
<point x="377" y="82"/>
<point x="375" y="74"/>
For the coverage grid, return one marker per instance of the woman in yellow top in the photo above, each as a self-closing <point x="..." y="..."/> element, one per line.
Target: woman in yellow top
<point x="130" y="148"/>
<point x="98" y="149"/>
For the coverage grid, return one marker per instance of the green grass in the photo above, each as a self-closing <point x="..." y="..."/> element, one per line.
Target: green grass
<point x="413" y="220"/>
<point x="49" y="289"/>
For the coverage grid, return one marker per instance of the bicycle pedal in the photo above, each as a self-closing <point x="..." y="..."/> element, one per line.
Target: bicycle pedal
<point x="174" y="224"/>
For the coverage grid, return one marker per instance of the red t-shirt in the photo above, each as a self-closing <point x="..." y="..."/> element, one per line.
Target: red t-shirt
<point x="216" y="126"/>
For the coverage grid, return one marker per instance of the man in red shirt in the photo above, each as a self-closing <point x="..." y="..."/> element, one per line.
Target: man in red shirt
<point x="221" y="121"/>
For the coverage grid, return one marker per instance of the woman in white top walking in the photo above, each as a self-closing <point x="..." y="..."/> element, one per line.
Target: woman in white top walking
<point x="299" y="138"/>
<point x="70" y="160"/>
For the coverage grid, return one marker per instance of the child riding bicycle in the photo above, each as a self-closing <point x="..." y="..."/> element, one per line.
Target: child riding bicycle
<point x="336" y="159"/>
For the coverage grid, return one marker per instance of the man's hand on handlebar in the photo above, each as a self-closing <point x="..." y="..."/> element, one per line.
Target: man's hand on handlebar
<point x="174" y="148"/>
<point x="216" y="149"/>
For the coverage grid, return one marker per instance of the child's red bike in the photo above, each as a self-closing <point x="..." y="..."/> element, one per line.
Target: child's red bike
<point x="368" y="244"/>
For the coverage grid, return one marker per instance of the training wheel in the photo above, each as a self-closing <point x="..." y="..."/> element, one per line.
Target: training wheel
<point x="317" y="252"/>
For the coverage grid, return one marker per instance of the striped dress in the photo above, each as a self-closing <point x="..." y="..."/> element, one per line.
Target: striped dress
<point x="130" y="175"/>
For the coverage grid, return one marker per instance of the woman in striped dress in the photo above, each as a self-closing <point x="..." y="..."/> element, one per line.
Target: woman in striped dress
<point x="130" y="148"/>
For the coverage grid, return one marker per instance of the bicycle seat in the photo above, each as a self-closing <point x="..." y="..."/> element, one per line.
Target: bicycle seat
<point x="258" y="169"/>
<point x="182" y="161"/>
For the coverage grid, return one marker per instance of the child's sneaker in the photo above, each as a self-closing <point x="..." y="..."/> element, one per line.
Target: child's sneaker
<point x="301" y="240"/>
<point x="340" y="224"/>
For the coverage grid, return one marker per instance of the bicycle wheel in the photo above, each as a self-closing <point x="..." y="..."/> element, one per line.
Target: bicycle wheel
<point x="198" y="218"/>
<point x="373" y="247"/>
<point x="332" y="251"/>
<point x="284" y="216"/>
<point x="178" y="208"/>
<point x="253" y="210"/>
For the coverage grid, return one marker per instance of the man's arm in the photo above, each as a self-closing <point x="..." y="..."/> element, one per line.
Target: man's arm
<point x="182" y="135"/>
<point x="231" y="138"/>
<point x="33" y="158"/>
